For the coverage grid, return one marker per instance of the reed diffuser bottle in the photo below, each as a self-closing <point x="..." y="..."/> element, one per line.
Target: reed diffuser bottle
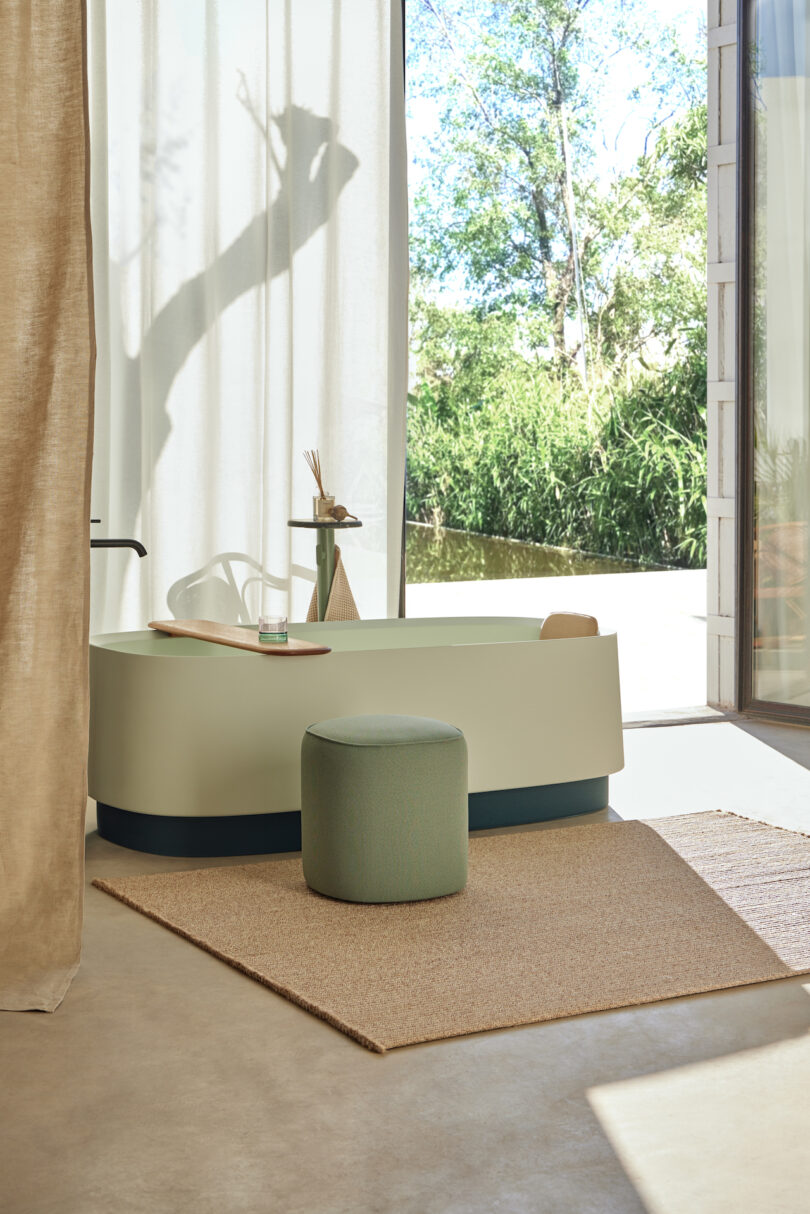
<point x="323" y="503"/>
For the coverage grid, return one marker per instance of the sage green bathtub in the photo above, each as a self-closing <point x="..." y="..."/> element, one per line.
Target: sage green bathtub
<point x="195" y="747"/>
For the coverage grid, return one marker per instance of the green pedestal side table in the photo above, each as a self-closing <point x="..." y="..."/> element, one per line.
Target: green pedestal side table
<point x="384" y="808"/>
<point x="324" y="553"/>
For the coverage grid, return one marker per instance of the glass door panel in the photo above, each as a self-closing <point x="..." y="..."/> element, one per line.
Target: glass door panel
<point x="780" y="352"/>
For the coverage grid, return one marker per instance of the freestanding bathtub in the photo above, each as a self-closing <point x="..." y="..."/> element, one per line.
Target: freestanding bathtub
<point x="195" y="747"/>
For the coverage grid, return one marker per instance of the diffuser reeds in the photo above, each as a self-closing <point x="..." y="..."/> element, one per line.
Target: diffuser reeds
<point x="314" y="464"/>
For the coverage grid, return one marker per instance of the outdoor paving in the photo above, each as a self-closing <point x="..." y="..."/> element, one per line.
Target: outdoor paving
<point x="659" y="617"/>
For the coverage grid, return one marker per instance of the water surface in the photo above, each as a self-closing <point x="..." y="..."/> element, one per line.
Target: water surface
<point x="460" y="556"/>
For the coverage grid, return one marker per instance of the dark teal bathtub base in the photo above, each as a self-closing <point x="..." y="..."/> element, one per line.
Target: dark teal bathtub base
<point x="231" y="835"/>
<point x="262" y="834"/>
<point x="543" y="803"/>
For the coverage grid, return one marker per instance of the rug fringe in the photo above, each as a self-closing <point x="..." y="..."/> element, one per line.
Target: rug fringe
<point x="790" y="830"/>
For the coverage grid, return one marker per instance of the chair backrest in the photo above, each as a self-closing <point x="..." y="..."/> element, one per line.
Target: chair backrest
<point x="561" y="624"/>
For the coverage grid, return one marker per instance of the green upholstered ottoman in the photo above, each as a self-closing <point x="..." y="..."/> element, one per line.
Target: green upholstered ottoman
<point x="384" y="808"/>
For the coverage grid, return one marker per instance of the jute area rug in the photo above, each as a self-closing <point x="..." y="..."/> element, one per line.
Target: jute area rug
<point x="552" y="923"/>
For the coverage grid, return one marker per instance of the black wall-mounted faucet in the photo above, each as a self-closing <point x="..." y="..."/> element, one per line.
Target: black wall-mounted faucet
<point x="136" y="544"/>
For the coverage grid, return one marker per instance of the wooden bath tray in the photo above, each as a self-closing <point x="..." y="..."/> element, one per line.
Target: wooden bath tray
<point x="238" y="638"/>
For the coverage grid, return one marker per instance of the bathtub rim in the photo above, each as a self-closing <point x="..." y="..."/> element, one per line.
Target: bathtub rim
<point x="181" y="647"/>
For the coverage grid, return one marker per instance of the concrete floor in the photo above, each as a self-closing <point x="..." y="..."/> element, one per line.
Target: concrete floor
<point x="168" y="1082"/>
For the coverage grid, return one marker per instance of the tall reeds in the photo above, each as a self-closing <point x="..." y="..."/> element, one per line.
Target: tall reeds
<point x="530" y="460"/>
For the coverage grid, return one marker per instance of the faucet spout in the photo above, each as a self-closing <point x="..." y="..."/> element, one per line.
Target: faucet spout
<point x="136" y="544"/>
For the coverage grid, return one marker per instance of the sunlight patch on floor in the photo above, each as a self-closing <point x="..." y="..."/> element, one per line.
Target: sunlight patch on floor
<point x="724" y="1135"/>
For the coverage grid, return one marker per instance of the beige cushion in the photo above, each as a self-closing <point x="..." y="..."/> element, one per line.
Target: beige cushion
<point x="568" y="624"/>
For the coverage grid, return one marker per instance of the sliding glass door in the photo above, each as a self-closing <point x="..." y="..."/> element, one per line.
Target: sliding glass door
<point x="775" y="356"/>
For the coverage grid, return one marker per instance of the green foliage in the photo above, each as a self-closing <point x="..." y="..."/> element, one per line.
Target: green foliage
<point x="654" y="234"/>
<point x="512" y="172"/>
<point x="504" y="437"/>
<point x="618" y="473"/>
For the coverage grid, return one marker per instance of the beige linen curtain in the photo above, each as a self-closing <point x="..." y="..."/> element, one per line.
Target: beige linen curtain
<point x="46" y="369"/>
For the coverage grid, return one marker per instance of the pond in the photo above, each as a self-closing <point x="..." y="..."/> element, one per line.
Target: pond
<point x="460" y="556"/>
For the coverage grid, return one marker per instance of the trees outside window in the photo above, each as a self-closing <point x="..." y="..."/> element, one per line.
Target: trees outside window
<point x="558" y="281"/>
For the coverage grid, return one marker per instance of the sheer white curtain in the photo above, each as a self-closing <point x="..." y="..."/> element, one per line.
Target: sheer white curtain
<point x="250" y="261"/>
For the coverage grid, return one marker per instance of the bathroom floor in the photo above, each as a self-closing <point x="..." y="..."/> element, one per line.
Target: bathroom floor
<point x="168" y="1082"/>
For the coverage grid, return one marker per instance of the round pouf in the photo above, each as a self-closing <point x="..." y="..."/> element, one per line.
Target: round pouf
<point x="384" y="808"/>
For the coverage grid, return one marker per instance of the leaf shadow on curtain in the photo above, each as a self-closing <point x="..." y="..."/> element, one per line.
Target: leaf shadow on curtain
<point x="316" y="171"/>
<point x="217" y="583"/>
